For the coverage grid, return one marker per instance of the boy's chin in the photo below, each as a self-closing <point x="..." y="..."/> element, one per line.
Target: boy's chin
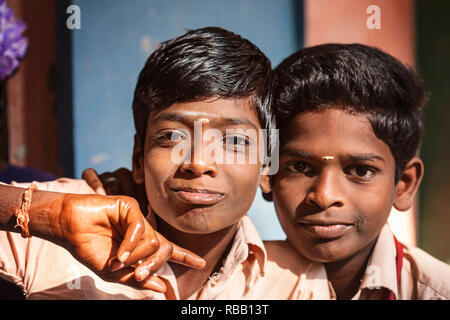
<point x="324" y="250"/>
<point x="196" y="228"/>
<point x="204" y="222"/>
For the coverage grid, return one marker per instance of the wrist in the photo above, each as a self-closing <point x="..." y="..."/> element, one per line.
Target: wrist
<point x="45" y="212"/>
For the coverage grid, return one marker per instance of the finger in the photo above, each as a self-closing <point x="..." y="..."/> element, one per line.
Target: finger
<point x="140" y="245"/>
<point x="154" y="262"/>
<point x="130" y="188"/>
<point x="186" y="258"/>
<point x="126" y="181"/>
<point x="100" y="190"/>
<point x="111" y="183"/>
<point x="92" y="179"/>
<point x="135" y="227"/>
<point x="143" y="250"/>
<point x="154" y="283"/>
<point x="182" y="256"/>
<point x="126" y="277"/>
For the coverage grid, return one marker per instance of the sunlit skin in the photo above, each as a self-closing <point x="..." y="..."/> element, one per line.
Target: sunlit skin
<point x="335" y="190"/>
<point x="95" y="229"/>
<point x="199" y="203"/>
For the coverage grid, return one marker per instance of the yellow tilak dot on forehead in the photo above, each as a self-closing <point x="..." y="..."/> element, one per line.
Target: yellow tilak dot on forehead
<point x="204" y="120"/>
<point x="326" y="158"/>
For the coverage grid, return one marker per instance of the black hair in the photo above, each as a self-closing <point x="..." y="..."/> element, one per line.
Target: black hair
<point x="356" y="78"/>
<point x="200" y="64"/>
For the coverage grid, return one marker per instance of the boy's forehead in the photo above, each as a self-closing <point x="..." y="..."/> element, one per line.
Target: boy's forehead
<point x="214" y="112"/>
<point x="325" y="122"/>
<point x="332" y="132"/>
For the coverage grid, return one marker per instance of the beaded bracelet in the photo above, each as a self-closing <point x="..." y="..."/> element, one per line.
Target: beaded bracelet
<point x="22" y="213"/>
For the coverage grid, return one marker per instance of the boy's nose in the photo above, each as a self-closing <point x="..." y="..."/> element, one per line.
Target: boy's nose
<point x="199" y="163"/>
<point x="199" y="168"/>
<point x="326" y="191"/>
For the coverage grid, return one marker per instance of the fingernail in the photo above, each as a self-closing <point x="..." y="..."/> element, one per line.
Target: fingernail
<point x="201" y="262"/>
<point x="124" y="256"/>
<point x="143" y="274"/>
<point x="100" y="190"/>
<point x="116" y="265"/>
<point x="155" y="286"/>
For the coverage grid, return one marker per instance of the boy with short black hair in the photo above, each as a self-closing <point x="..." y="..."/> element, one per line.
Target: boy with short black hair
<point x="218" y="79"/>
<point x="351" y="119"/>
<point x="224" y="82"/>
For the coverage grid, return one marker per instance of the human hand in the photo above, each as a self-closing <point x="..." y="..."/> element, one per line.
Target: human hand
<point x="119" y="182"/>
<point x="109" y="234"/>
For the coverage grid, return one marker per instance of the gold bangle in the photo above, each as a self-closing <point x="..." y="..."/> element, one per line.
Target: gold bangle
<point x="22" y="213"/>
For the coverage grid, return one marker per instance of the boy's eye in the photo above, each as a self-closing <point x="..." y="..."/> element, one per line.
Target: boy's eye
<point x="171" y="137"/>
<point x="300" y="167"/>
<point x="236" y="142"/>
<point x="177" y="136"/>
<point x="361" y="172"/>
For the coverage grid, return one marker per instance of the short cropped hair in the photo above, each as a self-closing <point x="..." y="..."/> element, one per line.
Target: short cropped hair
<point x="201" y="64"/>
<point x="356" y="78"/>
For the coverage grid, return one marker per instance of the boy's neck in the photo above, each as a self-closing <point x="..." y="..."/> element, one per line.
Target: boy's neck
<point x="212" y="247"/>
<point x="346" y="275"/>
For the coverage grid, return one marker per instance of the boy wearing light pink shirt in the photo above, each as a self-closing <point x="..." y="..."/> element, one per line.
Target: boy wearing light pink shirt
<point x="351" y="119"/>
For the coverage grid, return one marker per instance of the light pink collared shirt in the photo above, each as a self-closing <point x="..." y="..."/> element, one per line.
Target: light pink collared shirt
<point x="423" y="277"/>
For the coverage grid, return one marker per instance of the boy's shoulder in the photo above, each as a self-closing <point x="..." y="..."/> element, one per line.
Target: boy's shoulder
<point x="65" y="185"/>
<point x="282" y="253"/>
<point x="431" y="275"/>
<point x="289" y="275"/>
<point x="278" y="248"/>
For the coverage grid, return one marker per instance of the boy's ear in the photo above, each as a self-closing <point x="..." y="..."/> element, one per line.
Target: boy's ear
<point x="408" y="184"/>
<point x="265" y="185"/>
<point x="138" y="161"/>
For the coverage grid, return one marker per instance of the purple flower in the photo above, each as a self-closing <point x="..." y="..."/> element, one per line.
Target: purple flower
<point x="13" y="45"/>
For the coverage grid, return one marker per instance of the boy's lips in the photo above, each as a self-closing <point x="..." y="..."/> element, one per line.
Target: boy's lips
<point x="198" y="196"/>
<point x="326" y="229"/>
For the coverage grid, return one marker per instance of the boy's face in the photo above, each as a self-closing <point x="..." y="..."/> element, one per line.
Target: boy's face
<point x="335" y="188"/>
<point x="200" y="193"/>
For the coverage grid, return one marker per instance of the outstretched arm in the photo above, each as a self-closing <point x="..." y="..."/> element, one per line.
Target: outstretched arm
<point x="106" y="233"/>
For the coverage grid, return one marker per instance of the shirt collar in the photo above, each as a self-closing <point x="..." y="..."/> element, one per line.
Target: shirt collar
<point x="248" y="237"/>
<point x="246" y="244"/>
<point x="381" y="271"/>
